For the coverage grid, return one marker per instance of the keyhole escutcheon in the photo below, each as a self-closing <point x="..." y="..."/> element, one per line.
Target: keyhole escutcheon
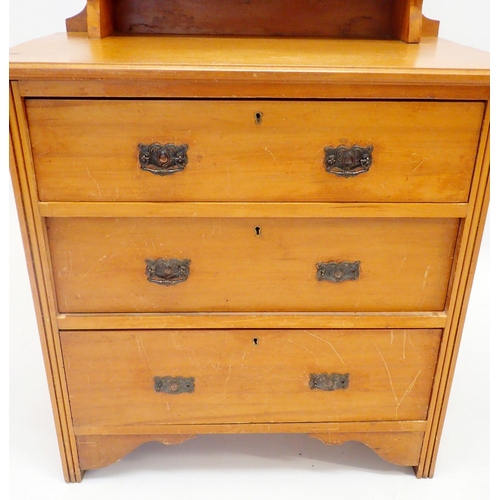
<point x="258" y="117"/>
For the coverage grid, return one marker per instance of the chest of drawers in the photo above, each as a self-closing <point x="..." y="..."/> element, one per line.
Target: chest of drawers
<point x="249" y="235"/>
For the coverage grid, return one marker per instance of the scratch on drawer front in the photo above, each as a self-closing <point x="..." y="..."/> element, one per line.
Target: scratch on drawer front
<point x="419" y="165"/>
<point x="408" y="389"/>
<point x="148" y="242"/>
<point x="402" y="263"/>
<point x="139" y="251"/>
<point x="302" y="347"/>
<point x="267" y="370"/>
<point x="69" y="265"/>
<point x="404" y="345"/>
<point x="96" y="183"/>
<point x="389" y="374"/>
<point x="193" y="359"/>
<point x="177" y="345"/>
<point x="106" y="257"/>
<point x="409" y="341"/>
<point x="216" y="230"/>
<point x="142" y="351"/>
<point x="326" y="342"/>
<point x="270" y="152"/>
<point x="228" y="376"/>
<point x="425" y="276"/>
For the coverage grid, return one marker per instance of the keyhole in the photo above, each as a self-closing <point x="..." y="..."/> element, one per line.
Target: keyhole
<point x="258" y="117"/>
<point x="255" y="341"/>
<point x="258" y="231"/>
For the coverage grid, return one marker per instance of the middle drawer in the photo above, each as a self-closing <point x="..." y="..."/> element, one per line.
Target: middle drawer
<point x="106" y="265"/>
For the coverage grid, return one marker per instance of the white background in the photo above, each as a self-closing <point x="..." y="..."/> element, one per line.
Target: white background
<point x="247" y="467"/>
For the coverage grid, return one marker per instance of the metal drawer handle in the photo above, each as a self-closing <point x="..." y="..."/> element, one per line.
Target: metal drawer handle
<point x="174" y="385"/>
<point x="163" y="159"/>
<point x="348" y="162"/>
<point x="329" y="381"/>
<point x="336" y="272"/>
<point x="167" y="271"/>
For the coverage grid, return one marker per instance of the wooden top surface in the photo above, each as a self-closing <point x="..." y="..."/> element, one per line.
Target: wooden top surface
<point x="74" y="55"/>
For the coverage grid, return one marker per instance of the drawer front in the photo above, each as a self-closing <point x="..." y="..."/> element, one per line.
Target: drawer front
<point x="88" y="150"/>
<point x="156" y="377"/>
<point x="233" y="264"/>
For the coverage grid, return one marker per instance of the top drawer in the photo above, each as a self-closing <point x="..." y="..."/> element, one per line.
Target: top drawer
<point x="88" y="150"/>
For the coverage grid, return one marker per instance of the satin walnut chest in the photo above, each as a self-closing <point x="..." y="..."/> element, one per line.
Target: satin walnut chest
<point x="249" y="234"/>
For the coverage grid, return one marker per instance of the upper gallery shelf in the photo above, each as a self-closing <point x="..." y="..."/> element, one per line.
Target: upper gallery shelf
<point x="375" y="19"/>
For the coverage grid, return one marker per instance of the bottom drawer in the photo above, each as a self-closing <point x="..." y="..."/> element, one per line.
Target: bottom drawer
<point x="174" y="377"/>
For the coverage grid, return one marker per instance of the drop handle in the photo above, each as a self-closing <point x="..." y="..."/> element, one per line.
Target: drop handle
<point x="167" y="272"/>
<point x="346" y="161"/>
<point x="163" y="159"/>
<point x="174" y="385"/>
<point x="328" y="381"/>
<point x="337" y="272"/>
